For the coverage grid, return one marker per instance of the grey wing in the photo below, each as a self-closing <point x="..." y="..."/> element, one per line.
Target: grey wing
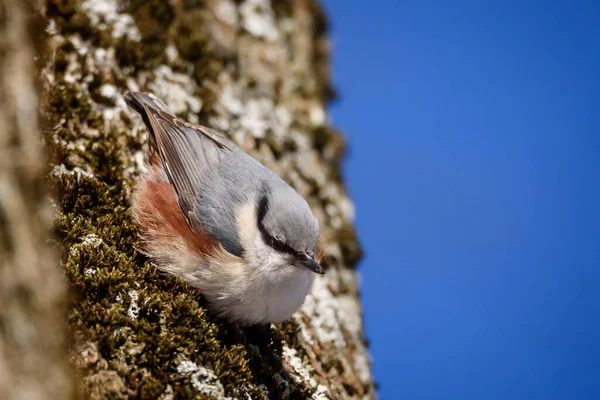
<point x="194" y="158"/>
<point x="138" y="102"/>
<point x="187" y="153"/>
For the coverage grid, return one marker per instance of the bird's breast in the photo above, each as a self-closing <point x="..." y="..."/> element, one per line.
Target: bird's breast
<point x="258" y="295"/>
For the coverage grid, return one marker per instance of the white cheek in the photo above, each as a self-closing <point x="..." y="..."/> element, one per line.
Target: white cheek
<point x="256" y="251"/>
<point x="270" y="288"/>
<point x="263" y="254"/>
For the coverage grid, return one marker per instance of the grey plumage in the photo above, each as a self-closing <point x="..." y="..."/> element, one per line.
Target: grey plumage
<point x="213" y="179"/>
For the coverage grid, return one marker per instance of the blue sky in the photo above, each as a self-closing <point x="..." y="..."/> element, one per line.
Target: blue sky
<point x="474" y="163"/>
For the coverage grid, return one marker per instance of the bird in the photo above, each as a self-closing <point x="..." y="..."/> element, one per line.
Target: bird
<point x="221" y="221"/>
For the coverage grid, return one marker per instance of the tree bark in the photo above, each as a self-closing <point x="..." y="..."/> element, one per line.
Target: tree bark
<point x="33" y="345"/>
<point x="257" y="70"/>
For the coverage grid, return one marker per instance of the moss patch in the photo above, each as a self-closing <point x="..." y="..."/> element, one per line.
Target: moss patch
<point x="132" y="326"/>
<point x="141" y="321"/>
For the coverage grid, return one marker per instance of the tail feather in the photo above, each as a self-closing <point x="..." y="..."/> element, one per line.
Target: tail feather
<point x="138" y="102"/>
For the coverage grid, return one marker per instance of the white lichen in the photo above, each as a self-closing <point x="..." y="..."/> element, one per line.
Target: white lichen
<point x="109" y="91"/>
<point x="230" y="101"/>
<point x="302" y="141"/>
<point x="186" y="366"/>
<point x="91" y="240"/>
<point x="362" y="365"/>
<point x="74" y="251"/>
<point x="168" y="394"/>
<point x="139" y="162"/>
<point x="258" y="19"/>
<point x="282" y="122"/>
<point x="320" y="393"/>
<point x="317" y="115"/>
<point x="177" y="91"/>
<point x="172" y="54"/>
<point x="132" y="85"/>
<point x="324" y="309"/>
<point x="225" y="11"/>
<point x="105" y="14"/>
<point x="203" y="379"/>
<point x="346" y="208"/>
<point x="256" y="116"/>
<point x="340" y="209"/>
<point x="51" y="27"/>
<point x="133" y="310"/>
<point x="305" y="373"/>
<point x="76" y="171"/>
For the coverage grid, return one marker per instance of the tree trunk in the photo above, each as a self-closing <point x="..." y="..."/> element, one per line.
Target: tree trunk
<point x="257" y="70"/>
<point x="33" y="345"/>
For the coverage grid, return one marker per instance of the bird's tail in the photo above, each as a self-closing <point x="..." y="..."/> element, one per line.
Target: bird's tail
<point x="141" y="103"/>
<point x="138" y="100"/>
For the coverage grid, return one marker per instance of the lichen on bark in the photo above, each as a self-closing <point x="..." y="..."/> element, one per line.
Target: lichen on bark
<point x="257" y="71"/>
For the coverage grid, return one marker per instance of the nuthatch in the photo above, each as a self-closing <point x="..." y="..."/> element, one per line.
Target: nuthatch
<point x="217" y="218"/>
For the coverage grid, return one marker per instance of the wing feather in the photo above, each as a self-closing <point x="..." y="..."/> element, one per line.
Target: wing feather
<point x="186" y="151"/>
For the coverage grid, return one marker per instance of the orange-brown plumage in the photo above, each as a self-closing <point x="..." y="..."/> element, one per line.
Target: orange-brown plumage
<point x="159" y="216"/>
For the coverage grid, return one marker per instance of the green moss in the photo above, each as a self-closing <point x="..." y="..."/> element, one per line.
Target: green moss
<point x="153" y="19"/>
<point x="102" y="276"/>
<point x="105" y="270"/>
<point x="190" y="37"/>
<point x="326" y="91"/>
<point x="67" y="101"/>
<point x="331" y="147"/>
<point x="171" y="319"/>
<point x="283" y="9"/>
<point x="62" y="8"/>
<point x="206" y="72"/>
<point x="351" y="249"/>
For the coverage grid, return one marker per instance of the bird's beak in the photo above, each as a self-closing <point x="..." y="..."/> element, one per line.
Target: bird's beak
<point x="310" y="263"/>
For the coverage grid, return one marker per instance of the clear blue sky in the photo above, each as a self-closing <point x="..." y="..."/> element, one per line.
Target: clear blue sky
<point x="474" y="162"/>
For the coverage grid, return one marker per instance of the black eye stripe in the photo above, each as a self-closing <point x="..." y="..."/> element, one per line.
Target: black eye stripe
<point x="263" y="205"/>
<point x="274" y="243"/>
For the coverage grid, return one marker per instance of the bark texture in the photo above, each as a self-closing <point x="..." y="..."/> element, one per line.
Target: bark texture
<point x="33" y="346"/>
<point x="257" y="70"/>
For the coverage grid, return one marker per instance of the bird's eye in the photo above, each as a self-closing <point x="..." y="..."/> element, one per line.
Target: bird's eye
<point x="277" y="244"/>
